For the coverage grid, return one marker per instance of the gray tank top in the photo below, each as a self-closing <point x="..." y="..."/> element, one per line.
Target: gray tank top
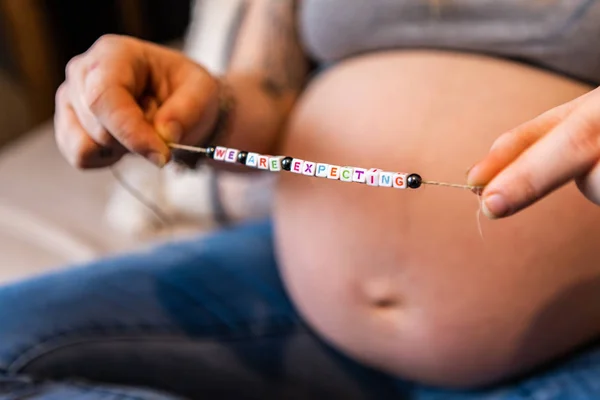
<point x="559" y="35"/>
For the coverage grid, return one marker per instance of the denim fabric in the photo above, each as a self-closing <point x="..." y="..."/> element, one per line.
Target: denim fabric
<point x="197" y="319"/>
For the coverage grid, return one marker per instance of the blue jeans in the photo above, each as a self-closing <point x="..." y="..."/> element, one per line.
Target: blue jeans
<point x="198" y="319"/>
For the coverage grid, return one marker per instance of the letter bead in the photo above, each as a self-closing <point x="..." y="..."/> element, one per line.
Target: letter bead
<point x="252" y="160"/>
<point x="400" y="181"/>
<point x="372" y="177"/>
<point x="322" y="170"/>
<point x="385" y="179"/>
<point x="263" y="162"/>
<point x="346" y="174"/>
<point x="308" y="168"/>
<point x="359" y="175"/>
<point x="220" y="153"/>
<point x="231" y="155"/>
<point x="333" y="172"/>
<point x="297" y="166"/>
<point x="275" y="164"/>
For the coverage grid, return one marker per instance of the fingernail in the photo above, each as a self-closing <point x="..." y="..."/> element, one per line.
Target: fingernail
<point x="472" y="176"/>
<point x="172" y="131"/>
<point x="495" y="206"/>
<point x="158" y="159"/>
<point x="470" y="169"/>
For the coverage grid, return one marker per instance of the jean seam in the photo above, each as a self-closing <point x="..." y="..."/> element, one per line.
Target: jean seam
<point x="67" y="339"/>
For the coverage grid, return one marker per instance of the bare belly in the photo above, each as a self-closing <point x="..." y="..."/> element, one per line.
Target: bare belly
<point x="401" y="279"/>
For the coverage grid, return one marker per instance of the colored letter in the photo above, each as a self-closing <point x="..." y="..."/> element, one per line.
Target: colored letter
<point x="297" y="166"/>
<point x="322" y="170"/>
<point x="308" y="168"/>
<point x="400" y="181"/>
<point x="262" y="162"/>
<point x="359" y="175"/>
<point x="373" y="177"/>
<point x="385" y="179"/>
<point x="333" y="172"/>
<point x="231" y="155"/>
<point x="251" y="160"/>
<point x="275" y="164"/>
<point x="220" y="153"/>
<point x="346" y="174"/>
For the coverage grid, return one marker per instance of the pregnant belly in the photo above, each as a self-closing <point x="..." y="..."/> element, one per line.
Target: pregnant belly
<point x="401" y="279"/>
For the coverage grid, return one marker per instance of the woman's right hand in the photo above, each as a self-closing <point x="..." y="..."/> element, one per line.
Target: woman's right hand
<point x="125" y="95"/>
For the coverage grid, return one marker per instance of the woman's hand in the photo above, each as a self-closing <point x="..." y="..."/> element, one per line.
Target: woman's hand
<point x="532" y="160"/>
<point x="125" y="95"/>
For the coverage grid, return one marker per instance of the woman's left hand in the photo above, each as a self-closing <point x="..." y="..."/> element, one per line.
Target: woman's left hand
<point x="539" y="156"/>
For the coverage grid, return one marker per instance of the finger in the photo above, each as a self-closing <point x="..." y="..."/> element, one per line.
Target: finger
<point x="77" y="147"/>
<point x="589" y="184"/>
<point x="76" y="93"/>
<point x="568" y="151"/>
<point x="75" y="72"/>
<point x="114" y="106"/>
<point x="190" y="109"/>
<point x="149" y="105"/>
<point x="511" y="144"/>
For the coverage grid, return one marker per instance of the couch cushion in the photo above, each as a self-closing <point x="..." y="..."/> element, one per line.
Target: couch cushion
<point x="51" y="213"/>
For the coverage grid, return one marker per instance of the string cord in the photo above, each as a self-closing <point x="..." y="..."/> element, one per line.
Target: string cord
<point x="162" y="217"/>
<point x="474" y="189"/>
<point x="187" y="148"/>
<point x="166" y="221"/>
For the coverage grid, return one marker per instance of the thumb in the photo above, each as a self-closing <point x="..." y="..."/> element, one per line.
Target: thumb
<point x="190" y="110"/>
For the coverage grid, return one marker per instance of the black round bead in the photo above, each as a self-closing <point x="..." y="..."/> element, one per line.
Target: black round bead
<point x="210" y="152"/>
<point x="414" y="181"/>
<point x="242" y="156"/>
<point x="286" y="163"/>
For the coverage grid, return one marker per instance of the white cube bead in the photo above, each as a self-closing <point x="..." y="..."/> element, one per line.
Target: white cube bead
<point x="333" y="172"/>
<point x="373" y="177"/>
<point x="296" y="166"/>
<point x="220" y="153"/>
<point x="231" y="155"/>
<point x="252" y="160"/>
<point x="359" y="175"/>
<point x="275" y="164"/>
<point x="400" y="181"/>
<point x="308" y="168"/>
<point x="386" y="179"/>
<point x="322" y="170"/>
<point x="346" y="174"/>
<point x="263" y="162"/>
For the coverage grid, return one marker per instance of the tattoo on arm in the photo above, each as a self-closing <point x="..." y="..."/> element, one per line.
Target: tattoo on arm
<point x="285" y="65"/>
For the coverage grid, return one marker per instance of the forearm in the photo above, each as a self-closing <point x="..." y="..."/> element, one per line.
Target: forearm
<point x="256" y="121"/>
<point x="266" y="73"/>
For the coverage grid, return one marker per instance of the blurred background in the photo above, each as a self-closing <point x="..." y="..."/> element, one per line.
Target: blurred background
<point x="52" y="215"/>
<point x="38" y="37"/>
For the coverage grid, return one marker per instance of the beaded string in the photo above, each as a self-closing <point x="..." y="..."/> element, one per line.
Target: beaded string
<point x="372" y="177"/>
